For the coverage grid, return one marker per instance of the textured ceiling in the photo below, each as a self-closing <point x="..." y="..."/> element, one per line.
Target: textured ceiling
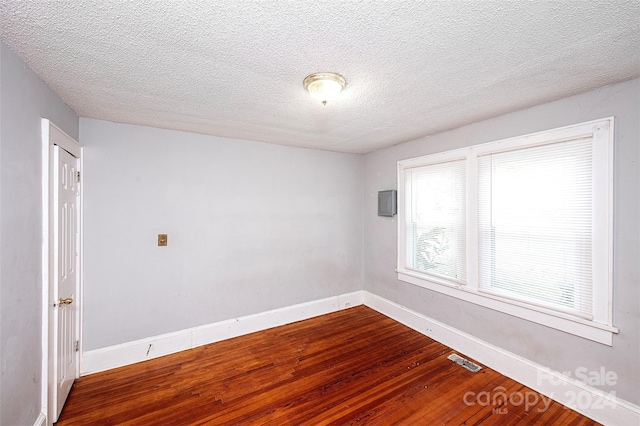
<point x="234" y="68"/>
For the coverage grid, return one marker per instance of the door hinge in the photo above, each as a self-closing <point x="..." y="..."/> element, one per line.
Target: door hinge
<point x="77" y="345"/>
<point x="78" y="177"/>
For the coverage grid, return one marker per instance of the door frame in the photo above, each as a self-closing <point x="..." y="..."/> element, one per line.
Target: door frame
<point x="52" y="136"/>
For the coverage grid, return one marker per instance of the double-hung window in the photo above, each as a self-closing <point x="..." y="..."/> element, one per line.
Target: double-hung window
<point x="522" y="226"/>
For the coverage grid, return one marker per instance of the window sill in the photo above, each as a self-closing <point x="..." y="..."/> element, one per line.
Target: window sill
<point x="601" y="333"/>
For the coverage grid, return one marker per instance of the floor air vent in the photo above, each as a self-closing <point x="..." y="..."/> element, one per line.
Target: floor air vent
<point x="474" y="368"/>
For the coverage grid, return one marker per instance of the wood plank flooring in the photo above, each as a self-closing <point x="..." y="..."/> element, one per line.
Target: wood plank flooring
<point x="350" y="367"/>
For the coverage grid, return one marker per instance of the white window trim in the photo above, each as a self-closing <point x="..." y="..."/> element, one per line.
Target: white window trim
<point x="600" y="328"/>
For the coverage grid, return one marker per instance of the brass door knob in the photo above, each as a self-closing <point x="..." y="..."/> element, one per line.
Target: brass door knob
<point x="66" y="301"/>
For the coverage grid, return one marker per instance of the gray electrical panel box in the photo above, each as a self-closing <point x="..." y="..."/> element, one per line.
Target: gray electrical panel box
<point x="387" y="204"/>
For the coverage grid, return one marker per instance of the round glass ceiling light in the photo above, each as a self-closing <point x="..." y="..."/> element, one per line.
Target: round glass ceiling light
<point x="324" y="86"/>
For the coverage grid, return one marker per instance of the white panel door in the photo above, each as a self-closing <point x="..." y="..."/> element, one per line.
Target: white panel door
<point x="66" y="250"/>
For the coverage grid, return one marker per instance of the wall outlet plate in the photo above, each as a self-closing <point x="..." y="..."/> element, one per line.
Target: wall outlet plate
<point x="162" y="239"/>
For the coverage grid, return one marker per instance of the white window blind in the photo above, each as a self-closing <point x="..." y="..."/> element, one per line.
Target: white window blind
<point x="435" y="229"/>
<point x="535" y="224"/>
<point x="522" y="225"/>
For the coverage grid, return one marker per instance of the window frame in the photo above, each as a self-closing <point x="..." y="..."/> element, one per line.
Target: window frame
<point x="600" y="327"/>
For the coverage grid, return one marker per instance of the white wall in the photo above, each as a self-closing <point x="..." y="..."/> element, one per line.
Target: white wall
<point x="554" y="349"/>
<point x="251" y="227"/>
<point x="24" y="100"/>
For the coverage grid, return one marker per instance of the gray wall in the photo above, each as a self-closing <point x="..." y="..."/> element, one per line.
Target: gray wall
<point x="551" y="348"/>
<point x="24" y="100"/>
<point x="251" y="227"/>
<point x="254" y="227"/>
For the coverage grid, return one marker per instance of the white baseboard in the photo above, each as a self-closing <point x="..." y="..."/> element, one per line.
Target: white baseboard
<point x="587" y="400"/>
<point x="572" y="393"/>
<point x="41" y="420"/>
<point x="153" y="347"/>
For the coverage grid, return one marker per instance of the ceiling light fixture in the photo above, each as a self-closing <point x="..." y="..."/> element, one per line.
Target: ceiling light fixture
<point x="324" y="86"/>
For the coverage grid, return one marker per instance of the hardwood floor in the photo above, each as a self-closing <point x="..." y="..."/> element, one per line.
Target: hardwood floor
<point x="350" y="367"/>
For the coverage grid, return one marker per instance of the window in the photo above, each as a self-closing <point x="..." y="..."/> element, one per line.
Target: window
<point x="521" y="225"/>
<point x="534" y="218"/>
<point x="436" y="233"/>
